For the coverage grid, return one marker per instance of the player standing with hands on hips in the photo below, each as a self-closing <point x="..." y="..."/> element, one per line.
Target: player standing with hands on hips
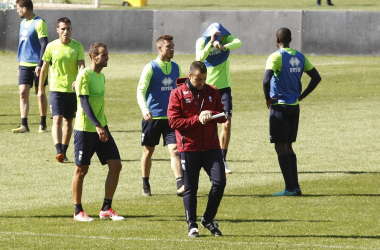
<point x="32" y="44"/>
<point x="191" y="109"/>
<point x="213" y="48"/>
<point x="67" y="58"/>
<point x="282" y="89"/>
<point x="92" y="135"/>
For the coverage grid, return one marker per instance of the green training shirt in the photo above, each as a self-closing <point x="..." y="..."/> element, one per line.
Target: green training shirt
<point x="64" y="68"/>
<point x="90" y="83"/>
<point x="218" y="76"/>
<point x="143" y="85"/>
<point x="41" y="30"/>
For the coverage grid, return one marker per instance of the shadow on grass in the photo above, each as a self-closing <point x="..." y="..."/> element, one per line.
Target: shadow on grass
<point x="300" y="197"/>
<point x="318" y="236"/>
<point x="125" y="131"/>
<point x="313" y="172"/>
<point x="270" y="220"/>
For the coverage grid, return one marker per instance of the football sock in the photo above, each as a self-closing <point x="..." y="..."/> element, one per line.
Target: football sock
<point x="284" y="161"/>
<point x="78" y="208"/>
<point x="24" y="122"/>
<point x="145" y="182"/>
<point x="58" y="147"/>
<point x="43" y="121"/>
<point x="106" y="204"/>
<point x="179" y="182"/>
<point x="64" y="149"/>
<point x="224" y="153"/>
<point x="293" y="167"/>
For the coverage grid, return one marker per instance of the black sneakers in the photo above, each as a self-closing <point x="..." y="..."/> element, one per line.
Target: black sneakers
<point x="212" y="226"/>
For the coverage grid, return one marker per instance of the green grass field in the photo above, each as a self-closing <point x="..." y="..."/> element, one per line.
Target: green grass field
<point x="337" y="150"/>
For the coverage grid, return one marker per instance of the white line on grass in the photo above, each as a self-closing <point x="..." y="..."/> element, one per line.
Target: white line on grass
<point x="182" y="240"/>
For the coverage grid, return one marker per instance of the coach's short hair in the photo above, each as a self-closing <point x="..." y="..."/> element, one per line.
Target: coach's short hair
<point x="63" y="20"/>
<point x="94" y="48"/>
<point x="28" y="4"/>
<point x="197" y="65"/>
<point x="284" y="35"/>
<point x="161" y="39"/>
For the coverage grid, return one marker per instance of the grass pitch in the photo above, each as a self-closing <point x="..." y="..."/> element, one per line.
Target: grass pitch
<point x="337" y="151"/>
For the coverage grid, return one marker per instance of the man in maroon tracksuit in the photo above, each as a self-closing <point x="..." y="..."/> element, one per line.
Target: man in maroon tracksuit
<point x="190" y="111"/>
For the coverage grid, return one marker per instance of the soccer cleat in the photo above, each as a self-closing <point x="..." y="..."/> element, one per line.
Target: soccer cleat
<point x="330" y="3"/>
<point x="60" y="157"/>
<point x="42" y="129"/>
<point x="212" y="226"/>
<point x="193" y="232"/>
<point x="285" y="193"/>
<point x="181" y="190"/>
<point x="82" y="216"/>
<point x="228" y="171"/>
<point x="65" y="159"/>
<point x="319" y="2"/>
<point x="146" y="191"/>
<point x="21" y="129"/>
<point x="111" y="214"/>
<point x="298" y="191"/>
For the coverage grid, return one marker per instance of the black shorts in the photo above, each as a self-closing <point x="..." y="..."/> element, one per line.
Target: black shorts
<point x="87" y="143"/>
<point x="27" y="75"/>
<point x="225" y="94"/>
<point x="283" y="123"/>
<point x="64" y="104"/>
<point x="152" y="131"/>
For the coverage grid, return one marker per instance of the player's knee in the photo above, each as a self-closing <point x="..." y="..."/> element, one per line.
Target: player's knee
<point x="24" y="95"/>
<point x="80" y="172"/>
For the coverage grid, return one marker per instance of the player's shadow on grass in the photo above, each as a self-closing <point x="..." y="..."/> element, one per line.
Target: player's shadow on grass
<point x="301" y="196"/>
<point x="326" y="172"/>
<point x="320" y="236"/>
<point x="270" y="220"/>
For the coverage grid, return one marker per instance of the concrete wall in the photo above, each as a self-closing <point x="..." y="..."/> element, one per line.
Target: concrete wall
<point x="135" y="31"/>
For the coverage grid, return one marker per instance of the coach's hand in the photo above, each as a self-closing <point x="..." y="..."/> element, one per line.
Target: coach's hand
<point x="269" y="101"/>
<point x="103" y="135"/>
<point x="205" y="116"/>
<point x="148" y="116"/>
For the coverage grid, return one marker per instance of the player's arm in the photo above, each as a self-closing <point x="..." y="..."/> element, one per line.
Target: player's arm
<point x="202" y="50"/>
<point x="44" y="72"/>
<point x="42" y="35"/>
<point x="142" y="87"/>
<point x="266" y="87"/>
<point x="230" y="43"/>
<point x="315" y="80"/>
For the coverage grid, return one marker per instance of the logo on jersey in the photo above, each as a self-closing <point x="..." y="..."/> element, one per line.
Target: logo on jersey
<point x="215" y="51"/>
<point x="167" y="81"/>
<point x="24" y="35"/>
<point x="187" y="100"/>
<point x="183" y="162"/>
<point x="294" y="62"/>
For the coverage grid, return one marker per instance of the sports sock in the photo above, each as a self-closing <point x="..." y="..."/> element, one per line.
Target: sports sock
<point x="224" y="153"/>
<point x="145" y="182"/>
<point x="24" y="122"/>
<point x="43" y="121"/>
<point x="179" y="182"/>
<point x="58" y="147"/>
<point x="293" y="167"/>
<point x="106" y="204"/>
<point x="64" y="149"/>
<point x="284" y="161"/>
<point x="78" y="208"/>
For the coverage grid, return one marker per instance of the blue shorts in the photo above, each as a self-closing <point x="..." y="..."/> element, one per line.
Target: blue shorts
<point x="27" y="75"/>
<point x="64" y="104"/>
<point x="283" y="123"/>
<point x="152" y="131"/>
<point x="210" y="160"/>
<point x="225" y="94"/>
<point x="87" y="143"/>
